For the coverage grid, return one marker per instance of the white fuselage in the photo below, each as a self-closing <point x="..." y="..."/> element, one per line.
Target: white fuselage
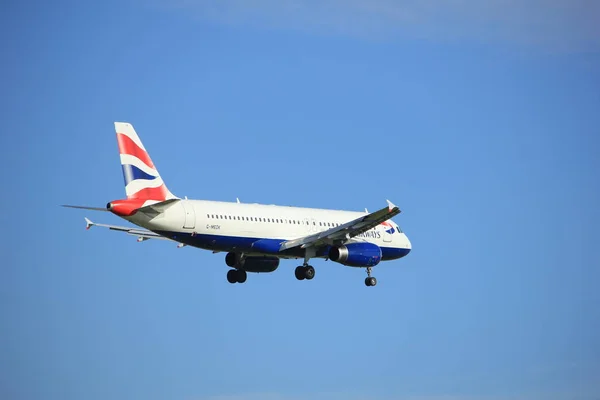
<point x="226" y="226"/>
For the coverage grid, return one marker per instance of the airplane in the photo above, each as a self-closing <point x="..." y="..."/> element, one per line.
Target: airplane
<point x="255" y="237"/>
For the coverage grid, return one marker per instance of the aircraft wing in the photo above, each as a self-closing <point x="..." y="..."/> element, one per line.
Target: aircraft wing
<point x="345" y="231"/>
<point x="142" y="234"/>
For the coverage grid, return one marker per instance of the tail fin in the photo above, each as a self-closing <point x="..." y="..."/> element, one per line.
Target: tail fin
<point x="142" y="180"/>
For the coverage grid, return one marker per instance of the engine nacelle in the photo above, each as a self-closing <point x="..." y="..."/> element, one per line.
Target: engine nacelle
<point x="356" y="254"/>
<point x="252" y="264"/>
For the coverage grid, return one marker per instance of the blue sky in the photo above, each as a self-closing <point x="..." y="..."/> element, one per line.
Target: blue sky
<point x="480" y="121"/>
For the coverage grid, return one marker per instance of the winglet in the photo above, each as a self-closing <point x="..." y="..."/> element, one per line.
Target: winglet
<point x="88" y="223"/>
<point x="391" y="205"/>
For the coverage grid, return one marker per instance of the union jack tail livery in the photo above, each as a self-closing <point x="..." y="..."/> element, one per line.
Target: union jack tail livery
<point x="142" y="180"/>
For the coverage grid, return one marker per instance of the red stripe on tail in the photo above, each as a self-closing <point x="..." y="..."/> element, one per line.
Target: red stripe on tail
<point x="128" y="146"/>
<point x="157" y="193"/>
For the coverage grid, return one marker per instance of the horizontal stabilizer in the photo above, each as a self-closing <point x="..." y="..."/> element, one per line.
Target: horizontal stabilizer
<point x="85" y="207"/>
<point x="140" y="233"/>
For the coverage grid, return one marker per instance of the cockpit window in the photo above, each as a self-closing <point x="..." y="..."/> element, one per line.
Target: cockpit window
<point x="398" y="229"/>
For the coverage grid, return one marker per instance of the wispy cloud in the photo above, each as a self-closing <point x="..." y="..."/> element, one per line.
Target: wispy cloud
<point x="564" y="25"/>
<point x="347" y="396"/>
<point x="279" y="396"/>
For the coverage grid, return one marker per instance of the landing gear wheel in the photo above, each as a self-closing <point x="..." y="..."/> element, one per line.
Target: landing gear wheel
<point x="232" y="276"/>
<point x="309" y="272"/>
<point x="241" y="276"/>
<point x="236" y="276"/>
<point x="299" y="272"/>
<point x="370" y="281"/>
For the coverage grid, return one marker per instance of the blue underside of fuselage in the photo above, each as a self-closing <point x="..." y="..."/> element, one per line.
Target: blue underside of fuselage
<point x="245" y="244"/>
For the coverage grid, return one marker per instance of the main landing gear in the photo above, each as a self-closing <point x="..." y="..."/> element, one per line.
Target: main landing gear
<point x="236" y="276"/>
<point x="370" y="280"/>
<point x="304" y="272"/>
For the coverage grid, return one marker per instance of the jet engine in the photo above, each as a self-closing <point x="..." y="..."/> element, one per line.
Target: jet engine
<point x="252" y="264"/>
<point x="356" y="254"/>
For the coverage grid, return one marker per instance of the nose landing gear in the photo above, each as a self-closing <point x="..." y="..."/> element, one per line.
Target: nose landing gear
<point x="370" y="280"/>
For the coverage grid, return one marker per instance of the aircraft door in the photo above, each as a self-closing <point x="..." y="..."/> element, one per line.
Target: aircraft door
<point x="190" y="215"/>
<point x="307" y="224"/>
<point x="387" y="237"/>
